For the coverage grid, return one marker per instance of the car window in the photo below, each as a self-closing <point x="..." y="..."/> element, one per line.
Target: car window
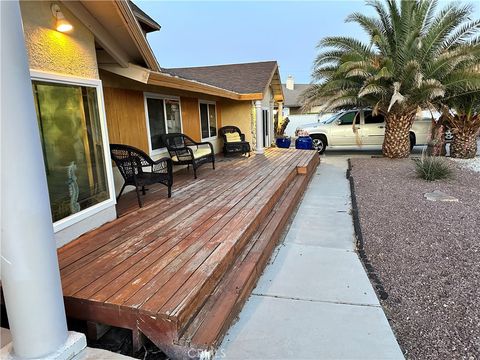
<point x="370" y="119"/>
<point x="347" y="119"/>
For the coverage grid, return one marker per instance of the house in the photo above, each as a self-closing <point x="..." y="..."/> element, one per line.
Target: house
<point x="196" y="101"/>
<point x="96" y="81"/>
<point x="105" y="72"/>
<point x="292" y="103"/>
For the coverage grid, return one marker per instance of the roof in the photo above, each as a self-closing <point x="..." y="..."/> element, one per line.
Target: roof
<point x="119" y="37"/>
<point x="292" y="97"/>
<point x="246" y="78"/>
<point x="146" y="22"/>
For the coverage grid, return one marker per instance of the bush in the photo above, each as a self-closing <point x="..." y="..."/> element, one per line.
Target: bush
<point x="433" y="168"/>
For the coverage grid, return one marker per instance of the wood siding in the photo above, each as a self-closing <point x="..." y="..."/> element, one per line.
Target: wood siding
<point x="126" y="122"/>
<point x="190" y="117"/>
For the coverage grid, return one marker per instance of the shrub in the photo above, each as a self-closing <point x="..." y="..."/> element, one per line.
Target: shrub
<point x="433" y="168"/>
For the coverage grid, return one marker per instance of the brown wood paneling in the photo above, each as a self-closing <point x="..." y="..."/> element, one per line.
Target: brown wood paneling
<point x="219" y="114"/>
<point x="190" y="117"/>
<point x="125" y="111"/>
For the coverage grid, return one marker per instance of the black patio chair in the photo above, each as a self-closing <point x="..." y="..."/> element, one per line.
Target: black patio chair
<point x="185" y="151"/>
<point x="134" y="164"/>
<point x="234" y="141"/>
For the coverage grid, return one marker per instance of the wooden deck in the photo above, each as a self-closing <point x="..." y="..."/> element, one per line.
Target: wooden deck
<point x="179" y="270"/>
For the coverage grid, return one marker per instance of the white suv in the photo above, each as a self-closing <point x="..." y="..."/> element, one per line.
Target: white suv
<point x="338" y="130"/>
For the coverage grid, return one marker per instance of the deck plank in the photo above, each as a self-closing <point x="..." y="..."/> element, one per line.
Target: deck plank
<point x="164" y="261"/>
<point x="196" y="242"/>
<point x="147" y="258"/>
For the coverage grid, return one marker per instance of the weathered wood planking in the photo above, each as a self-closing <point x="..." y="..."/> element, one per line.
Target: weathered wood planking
<point x="180" y="269"/>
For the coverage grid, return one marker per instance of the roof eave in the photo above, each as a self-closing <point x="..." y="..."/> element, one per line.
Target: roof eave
<point x="137" y="34"/>
<point x="279" y="95"/>
<point x="166" y="80"/>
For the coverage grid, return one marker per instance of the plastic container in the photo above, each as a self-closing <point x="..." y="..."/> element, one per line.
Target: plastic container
<point x="283" y="142"/>
<point x="304" y="143"/>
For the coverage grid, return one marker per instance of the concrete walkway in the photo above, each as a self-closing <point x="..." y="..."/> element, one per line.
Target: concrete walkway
<point x="314" y="300"/>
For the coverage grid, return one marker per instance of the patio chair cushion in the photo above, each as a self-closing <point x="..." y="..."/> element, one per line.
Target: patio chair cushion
<point x="233" y="137"/>
<point x="197" y="153"/>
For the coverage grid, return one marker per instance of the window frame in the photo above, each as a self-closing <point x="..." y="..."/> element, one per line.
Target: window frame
<point x="150" y="95"/>
<point x="208" y="102"/>
<point x="97" y="84"/>
<point x="370" y="112"/>
<point x="356" y="113"/>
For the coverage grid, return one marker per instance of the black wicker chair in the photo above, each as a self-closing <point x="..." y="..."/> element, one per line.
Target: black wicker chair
<point x="131" y="163"/>
<point x="185" y="151"/>
<point x="229" y="146"/>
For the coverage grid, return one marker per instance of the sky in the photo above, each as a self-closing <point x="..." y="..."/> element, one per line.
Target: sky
<point x="198" y="33"/>
<point x="223" y="32"/>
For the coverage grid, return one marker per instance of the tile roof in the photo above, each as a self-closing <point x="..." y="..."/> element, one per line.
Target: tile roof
<point x="292" y="97"/>
<point x="246" y="78"/>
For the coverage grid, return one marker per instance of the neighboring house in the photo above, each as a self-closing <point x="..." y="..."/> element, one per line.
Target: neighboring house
<point x="292" y="98"/>
<point x="100" y="83"/>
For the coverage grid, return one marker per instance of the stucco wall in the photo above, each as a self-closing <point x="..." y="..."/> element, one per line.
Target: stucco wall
<point x="238" y="114"/>
<point x="71" y="53"/>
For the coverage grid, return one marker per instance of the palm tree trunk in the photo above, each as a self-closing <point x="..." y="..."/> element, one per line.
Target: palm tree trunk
<point x="396" y="143"/>
<point x="464" y="144"/>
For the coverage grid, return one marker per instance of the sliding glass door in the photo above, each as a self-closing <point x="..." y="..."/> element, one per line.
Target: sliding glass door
<point x="163" y="117"/>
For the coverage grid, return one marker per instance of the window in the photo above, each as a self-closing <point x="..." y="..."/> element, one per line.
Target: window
<point x="347" y="119"/>
<point x="370" y="119"/>
<point x="73" y="146"/>
<point x="208" y="119"/>
<point x="163" y="117"/>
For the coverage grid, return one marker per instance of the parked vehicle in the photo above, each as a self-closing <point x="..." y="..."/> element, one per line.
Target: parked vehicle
<point x="300" y="120"/>
<point x="359" y="128"/>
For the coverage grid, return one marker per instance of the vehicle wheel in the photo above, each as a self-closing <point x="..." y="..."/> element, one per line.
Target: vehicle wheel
<point x="319" y="143"/>
<point x="412" y="141"/>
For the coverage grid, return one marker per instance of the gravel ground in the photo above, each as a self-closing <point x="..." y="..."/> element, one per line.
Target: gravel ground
<point x="427" y="255"/>
<point x="472" y="164"/>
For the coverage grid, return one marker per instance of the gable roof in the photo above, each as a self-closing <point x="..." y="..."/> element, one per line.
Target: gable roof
<point x="117" y="32"/>
<point x="246" y="78"/>
<point x="292" y="97"/>
<point x="146" y="22"/>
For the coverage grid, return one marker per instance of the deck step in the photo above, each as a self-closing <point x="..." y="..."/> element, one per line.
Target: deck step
<point x="201" y="274"/>
<point x="207" y="329"/>
<point x="183" y="277"/>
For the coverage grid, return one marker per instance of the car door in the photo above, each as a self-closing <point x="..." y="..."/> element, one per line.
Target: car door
<point x="373" y="129"/>
<point x="342" y="132"/>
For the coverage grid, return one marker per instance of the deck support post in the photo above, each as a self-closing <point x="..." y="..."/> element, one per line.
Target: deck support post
<point x="260" y="135"/>
<point x="29" y="264"/>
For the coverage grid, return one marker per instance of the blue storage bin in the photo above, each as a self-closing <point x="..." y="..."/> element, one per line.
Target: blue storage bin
<point x="304" y="143"/>
<point x="283" y="142"/>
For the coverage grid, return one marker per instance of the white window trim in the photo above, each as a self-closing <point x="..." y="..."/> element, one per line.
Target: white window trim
<point x="149" y="95"/>
<point x="97" y="84"/>
<point x="208" y="118"/>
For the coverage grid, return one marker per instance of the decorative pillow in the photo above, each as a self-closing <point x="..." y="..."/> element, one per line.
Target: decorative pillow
<point x="233" y="137"/>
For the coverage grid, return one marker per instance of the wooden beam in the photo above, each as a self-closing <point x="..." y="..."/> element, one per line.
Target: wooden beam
<point x="253" y="96"/>
<point x="133" y="72"/>
<point x="102" y="36"/>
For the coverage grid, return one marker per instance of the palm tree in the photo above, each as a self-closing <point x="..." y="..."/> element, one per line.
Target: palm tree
<point x="415" y="56"/>
<point x="464" y="121"/>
